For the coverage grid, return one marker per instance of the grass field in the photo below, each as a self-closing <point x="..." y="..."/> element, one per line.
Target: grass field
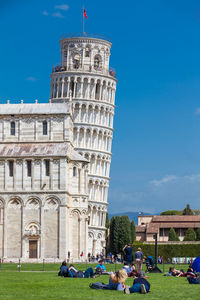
<point x="47" y="285"/>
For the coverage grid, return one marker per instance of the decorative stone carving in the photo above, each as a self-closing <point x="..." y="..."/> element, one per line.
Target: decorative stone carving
<point x="19" y="162"/>
<point x="51" y="204"/>
<point x="33" y="204"/>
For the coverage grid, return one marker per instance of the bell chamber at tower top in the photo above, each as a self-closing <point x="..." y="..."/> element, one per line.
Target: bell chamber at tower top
<point x="85" y="54"/>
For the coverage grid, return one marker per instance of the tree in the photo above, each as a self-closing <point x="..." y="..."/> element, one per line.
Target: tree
<point x="187" y="211"/>
<point x="198" y="235"/>
<point x="114" y="234"/>
<point x="190" y="235"/>
<point x="171" y="212"/>
<point x="172" y="235"/>
<point x="133" y="232"/>
<point x="124" y="232"/>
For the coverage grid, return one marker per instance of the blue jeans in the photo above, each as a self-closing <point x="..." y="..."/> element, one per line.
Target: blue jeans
<point x="89" y="273"/>
<point x="136" y="288"/>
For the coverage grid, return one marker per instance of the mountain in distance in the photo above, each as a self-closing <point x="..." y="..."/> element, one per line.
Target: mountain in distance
<point x="133" y="215"/>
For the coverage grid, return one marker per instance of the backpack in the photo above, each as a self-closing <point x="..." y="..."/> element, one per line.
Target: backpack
<point x="193" y="280"/>
<point x="98" y="285"/>
<point x="98" y="271"/>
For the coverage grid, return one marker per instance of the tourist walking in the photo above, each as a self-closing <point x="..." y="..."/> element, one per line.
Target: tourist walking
<point x="139" y="257"/>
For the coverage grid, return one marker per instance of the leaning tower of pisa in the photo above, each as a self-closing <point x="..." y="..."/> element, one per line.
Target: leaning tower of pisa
<point x="84" y="74"/>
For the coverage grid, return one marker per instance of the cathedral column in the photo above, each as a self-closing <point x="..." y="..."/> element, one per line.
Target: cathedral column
<point x="86" y="114"/>
<point x="6" y="174"/>
<point x="101" y="91"/>
<point x="41" y="173"/>
<point x="75" y="84"/>
<point x="68" y="87"/>
<point x="62" y="232"/>
<point x="14" y="174"/>
<point x="62" y="90"/>
<point x="57" y="89"/>
<point x="88" y="90"/>
<point x="81" y="93"/>
<point x="84" y="138"/>
<point x="23" y="254"/>
<point x="91" y="139"/>
<point x="78" y="137"/>
<point x="33" y="173"/>
<point x="23" y="174"/>
<point x="5" y="232"/>
<point x="42" y="232"/>
<point x="51" y="174"/>
<point x="79" y="112"/>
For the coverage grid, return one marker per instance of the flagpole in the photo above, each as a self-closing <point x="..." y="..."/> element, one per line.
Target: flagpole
<point x="83" y="20"/>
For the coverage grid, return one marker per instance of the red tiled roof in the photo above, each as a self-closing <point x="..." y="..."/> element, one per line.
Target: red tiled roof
<point x="140" y="229"/>
<point x="176" y="219"/>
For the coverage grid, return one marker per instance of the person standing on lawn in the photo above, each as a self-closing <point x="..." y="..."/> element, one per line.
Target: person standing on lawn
<point x="139" y="257"/>
<point x="128" y="251"/>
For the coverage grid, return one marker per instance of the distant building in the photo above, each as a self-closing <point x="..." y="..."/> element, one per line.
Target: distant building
<point x="150" y="225"/>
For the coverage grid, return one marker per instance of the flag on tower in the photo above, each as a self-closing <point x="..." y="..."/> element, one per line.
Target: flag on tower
<point x="84" y="13"/>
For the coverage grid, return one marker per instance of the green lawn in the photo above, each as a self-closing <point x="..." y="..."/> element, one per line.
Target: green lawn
<point x="47" y="285"/>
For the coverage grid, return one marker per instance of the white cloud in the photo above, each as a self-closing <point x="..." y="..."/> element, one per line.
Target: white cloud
<point x="197" y="111"/>
<point x="31" y="78"/>
<point x="62" y="7"/>
<point x="166" y="179"/>
<point x="193" y="177"/>
<point x="45" y="13"/>
<point x="58" y="15"/>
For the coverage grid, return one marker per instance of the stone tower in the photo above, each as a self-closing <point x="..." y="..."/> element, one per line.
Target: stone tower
<point x="84" y="74"/>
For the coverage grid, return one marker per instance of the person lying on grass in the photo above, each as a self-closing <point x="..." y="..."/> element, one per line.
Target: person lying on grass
<point x="117" y="280"/>
<point x="140" y="285"/>
<point x="131" y="270"/>
<point x="73" y="273"/>
<point x="175" y="273"/>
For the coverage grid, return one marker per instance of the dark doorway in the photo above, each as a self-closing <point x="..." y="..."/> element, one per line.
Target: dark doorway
<point x="32" y="249"/>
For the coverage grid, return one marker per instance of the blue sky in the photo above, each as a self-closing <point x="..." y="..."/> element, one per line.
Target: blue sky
<point x="156" y="46"/>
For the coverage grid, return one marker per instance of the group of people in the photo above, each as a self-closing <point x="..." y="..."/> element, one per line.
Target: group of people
<point x="116" y="279"/>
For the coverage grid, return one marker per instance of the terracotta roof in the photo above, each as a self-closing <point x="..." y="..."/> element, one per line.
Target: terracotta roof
<point x="153" y="228"/>
<point x="39" y="150"/>
<point x="179" y="225"/>
<point x="140" y="228"/>
<point x="176" y="219"/>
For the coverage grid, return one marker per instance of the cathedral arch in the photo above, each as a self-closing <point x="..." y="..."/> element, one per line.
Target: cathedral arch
<point x="15" y="202"/>
<point x="51" y="203"/>
<point x="33" y="203"/>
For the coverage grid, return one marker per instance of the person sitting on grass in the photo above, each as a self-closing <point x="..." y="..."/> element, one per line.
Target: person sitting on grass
<point x="100" y="269"/>
<point x="101" y="266"/>
<point x="64" y="271"/>
<point x="140" y="285"/>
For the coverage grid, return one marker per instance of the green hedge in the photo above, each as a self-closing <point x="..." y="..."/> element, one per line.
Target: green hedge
<point x="169" y="250"/>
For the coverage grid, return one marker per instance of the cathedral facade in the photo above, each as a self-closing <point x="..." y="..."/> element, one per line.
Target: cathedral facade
<point x="55" y="160"/>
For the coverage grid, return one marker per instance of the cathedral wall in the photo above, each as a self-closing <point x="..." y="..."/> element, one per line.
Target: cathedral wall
<point x="51" y="232"/>
<point x="30" y="128"/>
<point x="1" y="230"/>
<point x="14" y="229"/>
